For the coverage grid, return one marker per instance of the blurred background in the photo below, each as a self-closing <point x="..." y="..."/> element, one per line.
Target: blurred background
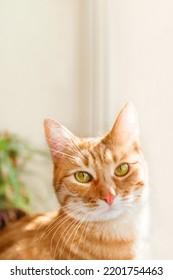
<point x="79" y="62"/>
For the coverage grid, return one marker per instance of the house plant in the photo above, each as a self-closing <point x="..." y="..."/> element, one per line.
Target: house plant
<point x="15" y="154"/>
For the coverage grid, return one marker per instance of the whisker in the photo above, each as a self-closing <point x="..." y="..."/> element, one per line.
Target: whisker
<point x="58" y="225"/>
<point x="73" y="222"/>
<point x="76" y="226"/>
<point x="51" y="226"/>
<point x="83" y="234"/>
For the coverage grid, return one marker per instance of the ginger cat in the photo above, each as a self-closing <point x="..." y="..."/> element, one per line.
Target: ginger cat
<point x="101" y="184"/>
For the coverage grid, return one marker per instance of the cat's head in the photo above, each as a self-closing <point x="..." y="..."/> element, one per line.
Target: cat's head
<point x="99" y="178"/>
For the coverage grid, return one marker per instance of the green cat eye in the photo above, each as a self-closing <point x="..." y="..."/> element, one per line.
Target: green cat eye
<point x="82" y="177"/>
<point x="122" y="169"/>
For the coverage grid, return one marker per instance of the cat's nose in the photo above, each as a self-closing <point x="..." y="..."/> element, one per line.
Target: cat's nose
<point x="108" y="197"/>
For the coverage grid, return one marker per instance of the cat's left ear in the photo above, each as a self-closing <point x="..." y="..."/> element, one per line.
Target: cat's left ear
<point x="58" y="137"/>
<point x="126" y="127"/>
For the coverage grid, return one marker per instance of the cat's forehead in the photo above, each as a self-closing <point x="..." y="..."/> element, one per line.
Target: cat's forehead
<point x="107" y="152"/>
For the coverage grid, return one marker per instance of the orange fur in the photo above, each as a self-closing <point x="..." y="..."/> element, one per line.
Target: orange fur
<point x="101" y="219"/>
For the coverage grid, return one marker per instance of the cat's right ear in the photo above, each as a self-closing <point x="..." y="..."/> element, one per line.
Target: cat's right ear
<point x="58" y="137"/>
<point x="126" y="127"/>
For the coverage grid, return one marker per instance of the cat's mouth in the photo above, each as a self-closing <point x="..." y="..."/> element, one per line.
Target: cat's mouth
<point x="97" y="210"/>
<point x="108" y="212"/>
<point x="104" y="211"/>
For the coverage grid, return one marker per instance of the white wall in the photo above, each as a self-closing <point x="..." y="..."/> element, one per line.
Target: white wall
<point x="57" y="58"/>
<point x="39" y="47"/>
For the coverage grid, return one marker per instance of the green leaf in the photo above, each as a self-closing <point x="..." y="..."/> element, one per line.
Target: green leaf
<point x="12" y="178"/>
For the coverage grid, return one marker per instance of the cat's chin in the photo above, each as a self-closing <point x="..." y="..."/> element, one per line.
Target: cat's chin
<point x="100" y="212"/>
<point x="110" y="214"/>
<point x="103" y="212"/>
<point x="106" y="213"/>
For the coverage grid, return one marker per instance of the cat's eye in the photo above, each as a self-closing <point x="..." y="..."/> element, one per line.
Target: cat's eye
<point x="122" y="170"/>
<point x="83" y="177"/>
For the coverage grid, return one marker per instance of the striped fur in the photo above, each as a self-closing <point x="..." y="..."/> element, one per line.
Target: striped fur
<point x="86" y="225"/>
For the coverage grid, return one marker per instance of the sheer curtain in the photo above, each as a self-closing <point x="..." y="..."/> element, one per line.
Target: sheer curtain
<point x="94" y="64"/>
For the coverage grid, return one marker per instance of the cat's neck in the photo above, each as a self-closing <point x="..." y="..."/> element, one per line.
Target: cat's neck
<point x="124" y="227"/>
<point x="111" y="239"/>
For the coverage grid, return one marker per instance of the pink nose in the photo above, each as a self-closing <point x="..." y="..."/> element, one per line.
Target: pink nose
<point x="108" y="197"/>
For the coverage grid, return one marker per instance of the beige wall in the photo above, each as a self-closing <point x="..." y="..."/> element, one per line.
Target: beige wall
<point x="39" y="47"/>
<point x="80" y="62"/>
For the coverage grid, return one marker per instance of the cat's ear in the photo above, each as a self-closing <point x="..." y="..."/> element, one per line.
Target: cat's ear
<point x="126" y="127"/>
<point x="58" y="137"/>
